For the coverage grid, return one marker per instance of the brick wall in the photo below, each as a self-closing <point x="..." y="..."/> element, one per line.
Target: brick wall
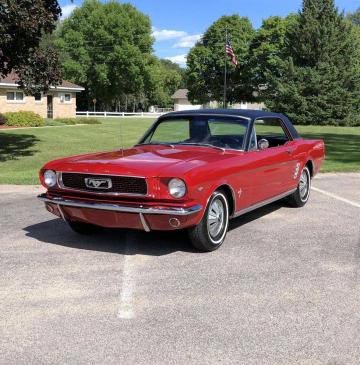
<point x="64" y="109"/>
<point x="28" y="103"/>
<point x="60" y="109"/>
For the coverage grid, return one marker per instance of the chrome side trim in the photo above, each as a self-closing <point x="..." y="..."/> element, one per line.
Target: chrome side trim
<point x="264" y="202"/>
<point x="63" y="187"/>
<point x="120" y="208"/>
<point x="143" y="222"/>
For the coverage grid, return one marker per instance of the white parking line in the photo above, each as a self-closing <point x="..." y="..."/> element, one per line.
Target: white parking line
<point x="354" y="204"/>
<point x="127" y="287"/>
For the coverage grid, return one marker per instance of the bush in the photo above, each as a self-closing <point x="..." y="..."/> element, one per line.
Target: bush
<point x="24" y="119"/>
<point x="67" y="121"/>
<point x="2" y="119"/>
<point x="72" y="121"/>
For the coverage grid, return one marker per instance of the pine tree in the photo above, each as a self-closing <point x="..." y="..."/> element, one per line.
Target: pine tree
<point x="320" y="82"/>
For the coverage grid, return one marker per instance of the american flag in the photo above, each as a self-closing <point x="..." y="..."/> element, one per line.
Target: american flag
<point x="231" y="53"/>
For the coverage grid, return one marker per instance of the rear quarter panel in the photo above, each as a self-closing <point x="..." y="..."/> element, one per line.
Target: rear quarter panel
<point x="311" y="150"/>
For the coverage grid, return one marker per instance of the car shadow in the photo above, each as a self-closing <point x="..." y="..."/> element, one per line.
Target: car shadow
<point x="255" y="214"/>
<point x="121" y="241"/>
<point x="129" y="242"/>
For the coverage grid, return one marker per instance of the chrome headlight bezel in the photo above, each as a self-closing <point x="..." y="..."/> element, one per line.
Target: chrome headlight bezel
<point x="177" y="188"/>
<point x="50" y="178"/>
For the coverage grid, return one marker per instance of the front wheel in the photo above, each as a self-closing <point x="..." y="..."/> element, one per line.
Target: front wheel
<point x="301" y="195"/>
<point x="210" y="233"/>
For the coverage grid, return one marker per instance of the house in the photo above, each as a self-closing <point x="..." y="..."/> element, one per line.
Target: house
<point x="58" y="102"/>
<point x="181" y="102"/>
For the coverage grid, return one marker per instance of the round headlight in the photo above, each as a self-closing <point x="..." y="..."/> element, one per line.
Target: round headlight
<point x="177" y="188"/>
<point x="50" y="178"/>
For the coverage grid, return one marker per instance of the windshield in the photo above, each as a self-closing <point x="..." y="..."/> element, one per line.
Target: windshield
<point x="211" y="131"/>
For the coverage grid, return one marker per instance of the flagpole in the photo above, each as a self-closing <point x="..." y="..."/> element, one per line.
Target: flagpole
<point x="225" y="71"/>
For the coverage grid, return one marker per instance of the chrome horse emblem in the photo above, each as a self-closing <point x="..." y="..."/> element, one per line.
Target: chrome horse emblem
<point x="94" y="183"/>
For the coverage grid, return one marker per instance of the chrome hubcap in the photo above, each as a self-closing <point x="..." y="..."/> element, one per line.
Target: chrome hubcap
<point x="216" y="217"/>
<point x="304" y="184"/>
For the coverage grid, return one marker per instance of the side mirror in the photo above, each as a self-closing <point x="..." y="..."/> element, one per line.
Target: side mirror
<point x="263" y="144"/>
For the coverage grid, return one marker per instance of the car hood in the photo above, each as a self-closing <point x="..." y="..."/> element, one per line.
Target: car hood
<point x="141" y="161"/>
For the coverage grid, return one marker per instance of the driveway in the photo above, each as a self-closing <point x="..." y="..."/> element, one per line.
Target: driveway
<point x="283" y="289"/>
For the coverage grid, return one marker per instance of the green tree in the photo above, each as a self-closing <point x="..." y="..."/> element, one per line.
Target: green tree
<point x="163" y="78"/>
<point x="355" y="17"/>
<point x="268" y="49"/>
<point x="206" y="60"/>
<point x="355" y="20"/>
<point x="106" y="48"/>
<point x="22" y="25"/>
<point x="319" y="83"/>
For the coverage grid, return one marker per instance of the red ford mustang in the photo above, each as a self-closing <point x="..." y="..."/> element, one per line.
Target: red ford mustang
<point x="192" y="169"/>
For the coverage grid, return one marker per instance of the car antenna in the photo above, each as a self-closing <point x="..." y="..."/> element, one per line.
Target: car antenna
<point x="121" y="139"/>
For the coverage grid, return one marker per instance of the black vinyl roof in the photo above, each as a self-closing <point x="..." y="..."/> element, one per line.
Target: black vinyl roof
<point x="248" y="113"/>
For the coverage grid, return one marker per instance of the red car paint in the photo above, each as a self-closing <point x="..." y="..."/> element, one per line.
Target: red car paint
<point x="250" y="178"/>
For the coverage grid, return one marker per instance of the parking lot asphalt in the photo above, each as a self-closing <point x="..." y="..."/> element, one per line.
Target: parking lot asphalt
<point x="283" y="289"/>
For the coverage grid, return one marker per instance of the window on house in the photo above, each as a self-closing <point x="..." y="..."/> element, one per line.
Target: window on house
<point x="38" y="97"/>
<point x="65" y="98"/>
<point x="10" y="96"/>
<point x="14" y="95"/>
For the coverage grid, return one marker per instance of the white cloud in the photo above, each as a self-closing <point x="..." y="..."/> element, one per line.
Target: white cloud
<point x="67" y="10"/>
<point x="166" y="34"/>
<point x="187" y="41"/>
<point x="180" y="59"/>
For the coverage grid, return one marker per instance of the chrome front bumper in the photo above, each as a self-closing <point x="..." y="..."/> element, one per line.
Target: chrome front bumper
<point x="121" y="208"/>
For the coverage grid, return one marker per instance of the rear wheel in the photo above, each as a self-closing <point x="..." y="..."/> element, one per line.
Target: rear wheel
<point x="210" y="233"/>
<point x="83" y="228"/>
<point x="301" y="195"/>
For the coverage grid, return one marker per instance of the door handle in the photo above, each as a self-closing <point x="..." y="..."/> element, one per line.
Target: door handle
<point x="289" y="151"/>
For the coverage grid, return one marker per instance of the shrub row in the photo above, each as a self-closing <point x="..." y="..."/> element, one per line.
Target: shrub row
<point x="23" y="119"/>
<point x="31" y="119"/>
<point x="2" y="119"/>
<point x="72" y="121"/>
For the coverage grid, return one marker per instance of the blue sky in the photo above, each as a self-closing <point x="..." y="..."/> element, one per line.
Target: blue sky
<point x="178" y="24"/>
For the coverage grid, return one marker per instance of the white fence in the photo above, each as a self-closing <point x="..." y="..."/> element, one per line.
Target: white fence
<point x="118" y="114"/>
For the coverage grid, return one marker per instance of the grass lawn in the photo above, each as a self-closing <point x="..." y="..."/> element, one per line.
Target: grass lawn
<point x="24" y="151"/>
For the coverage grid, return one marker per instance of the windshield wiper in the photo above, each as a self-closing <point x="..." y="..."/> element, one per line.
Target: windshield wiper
<point x="202" y="144"/>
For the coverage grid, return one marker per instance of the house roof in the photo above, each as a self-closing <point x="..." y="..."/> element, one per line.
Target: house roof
<point x="180" y="94"/>
<point x="12" y="78"/>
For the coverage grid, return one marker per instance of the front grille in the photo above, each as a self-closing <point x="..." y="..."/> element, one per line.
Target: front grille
<point x="120" y="184"/>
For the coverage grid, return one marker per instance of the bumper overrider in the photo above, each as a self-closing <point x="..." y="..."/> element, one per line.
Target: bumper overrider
<point x="123" y="216"/>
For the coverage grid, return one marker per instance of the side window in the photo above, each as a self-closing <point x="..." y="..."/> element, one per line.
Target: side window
<point x="270" y="129"/>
